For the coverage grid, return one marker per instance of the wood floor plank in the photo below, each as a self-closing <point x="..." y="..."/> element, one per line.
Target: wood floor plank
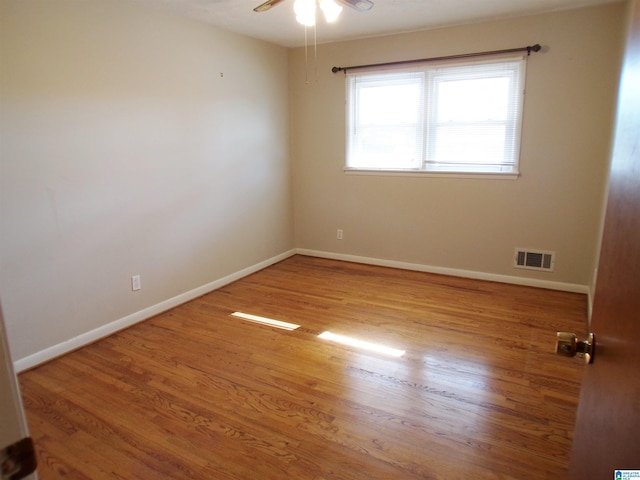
<point x="196" y="393"/>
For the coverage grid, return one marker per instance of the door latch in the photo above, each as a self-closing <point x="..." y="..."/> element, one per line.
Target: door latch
<point x="567" y="344"/>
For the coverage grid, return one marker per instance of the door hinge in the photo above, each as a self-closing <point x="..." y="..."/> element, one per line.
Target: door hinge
<point x="18" y="460"/>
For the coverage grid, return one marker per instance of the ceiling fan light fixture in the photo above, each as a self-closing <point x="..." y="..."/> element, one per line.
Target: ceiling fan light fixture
<point x="305" y="11"/>
<point x="330" y="9"/>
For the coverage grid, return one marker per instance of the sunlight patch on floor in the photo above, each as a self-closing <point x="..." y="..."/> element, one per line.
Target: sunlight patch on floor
<point x="361" y="344"/>
<point x="266" y="321"/>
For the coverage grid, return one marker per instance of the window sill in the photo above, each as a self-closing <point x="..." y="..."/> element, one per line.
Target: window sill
<point x="432" y="174"/>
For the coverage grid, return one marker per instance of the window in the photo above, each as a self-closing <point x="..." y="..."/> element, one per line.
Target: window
<point x="453" y="117"/>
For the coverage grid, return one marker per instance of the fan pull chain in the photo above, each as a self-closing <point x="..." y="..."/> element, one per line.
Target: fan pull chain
<point x="315" y="51"/>
<point x="315" y="55"/>
<point x="306" y="58"/>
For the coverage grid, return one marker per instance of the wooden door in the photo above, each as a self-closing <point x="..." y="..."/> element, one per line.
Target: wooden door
<point x="607" y="435"/>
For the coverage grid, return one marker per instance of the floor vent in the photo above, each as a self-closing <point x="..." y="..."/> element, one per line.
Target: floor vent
<point x="534" y="259"/>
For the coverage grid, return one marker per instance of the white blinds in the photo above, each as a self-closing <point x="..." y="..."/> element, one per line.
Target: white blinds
<point x="474" y="116"/>
<point x="386" y="120"/>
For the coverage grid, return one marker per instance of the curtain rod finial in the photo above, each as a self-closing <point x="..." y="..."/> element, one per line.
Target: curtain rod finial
<point x="534" y="48"/>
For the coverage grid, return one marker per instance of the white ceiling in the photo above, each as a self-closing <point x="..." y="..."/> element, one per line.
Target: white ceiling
<point x="278" y="25"/>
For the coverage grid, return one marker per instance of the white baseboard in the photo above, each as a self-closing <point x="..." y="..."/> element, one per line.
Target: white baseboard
<point x="91" y="336"/>
<point x="529" y="282"/>
<point x="67" y="346"/>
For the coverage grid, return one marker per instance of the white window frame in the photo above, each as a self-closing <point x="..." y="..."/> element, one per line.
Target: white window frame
<point x="431" y="76"/>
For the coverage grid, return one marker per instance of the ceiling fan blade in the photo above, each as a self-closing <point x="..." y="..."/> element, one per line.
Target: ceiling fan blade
<point x="266" y="5"/>
<point x="360" y="5"/>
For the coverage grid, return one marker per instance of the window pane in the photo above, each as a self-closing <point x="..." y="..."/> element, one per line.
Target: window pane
<point x="474" y="117"/>
<point x="473" y="100"/>
<point x="386" y="147"/>
<point x="390" y="104"/>
<point x="481" y="145"/>
<point x="386" y="121"/>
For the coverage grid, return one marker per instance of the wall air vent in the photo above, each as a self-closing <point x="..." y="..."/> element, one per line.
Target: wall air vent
<point x="534" y="259"/>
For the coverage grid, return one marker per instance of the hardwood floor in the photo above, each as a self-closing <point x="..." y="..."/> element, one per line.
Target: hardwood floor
<point x="197" y="394"/>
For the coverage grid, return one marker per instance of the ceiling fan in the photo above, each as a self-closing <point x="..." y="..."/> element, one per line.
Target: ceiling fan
<point x="305" y="10"/>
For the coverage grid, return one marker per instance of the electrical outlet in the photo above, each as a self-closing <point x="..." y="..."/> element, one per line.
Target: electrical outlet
<point x="339" y="234"/>
<point x="135" y="283"/>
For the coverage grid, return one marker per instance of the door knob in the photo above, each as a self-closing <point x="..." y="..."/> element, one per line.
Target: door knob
<point x="567" y="344"/>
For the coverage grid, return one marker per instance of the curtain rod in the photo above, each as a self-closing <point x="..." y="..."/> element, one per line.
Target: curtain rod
<point x="529" y="49"/>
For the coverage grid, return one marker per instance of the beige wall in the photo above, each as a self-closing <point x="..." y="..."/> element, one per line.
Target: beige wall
<point x="462" y="223"/>
<point x="132" y="142"/>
